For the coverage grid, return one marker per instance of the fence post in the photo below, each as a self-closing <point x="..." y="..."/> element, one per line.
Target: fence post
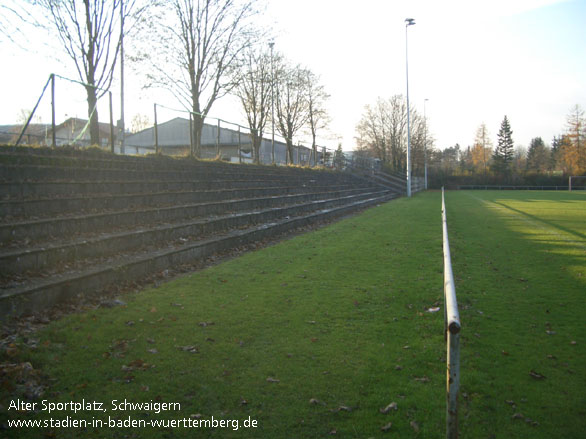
<point x="190" y="135"/>
<point x="156" y="132"/>
<point x="218" y="140"/>
<point x="239" y="147"/>
<point x="53" y="135"/>
<point x="111" y="124"/>
<point x="28" y="121"/>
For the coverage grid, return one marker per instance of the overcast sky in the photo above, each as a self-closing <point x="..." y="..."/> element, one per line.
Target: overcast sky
<point x="474" y="61"/>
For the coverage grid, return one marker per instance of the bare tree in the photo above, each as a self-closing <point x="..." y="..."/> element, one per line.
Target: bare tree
<point x="254" y="92"/>
<point x="88" y="31"/>
<point x="383" y="132"/>
<point x="12" y="15"/>
<point x="316" y="106"/>
<point x="198" y="47"/>
<point x="139" y="122"/>
<point x="372" y="130"/>
<point x="291" y="103"/>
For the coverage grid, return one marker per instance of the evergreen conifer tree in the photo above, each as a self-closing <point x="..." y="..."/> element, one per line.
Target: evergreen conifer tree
<point x="504" y="152"/>
<point x="339" y="158"/>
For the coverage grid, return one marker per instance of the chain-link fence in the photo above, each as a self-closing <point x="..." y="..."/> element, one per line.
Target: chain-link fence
<point x="167" y="131"/>
<point x="63" y="102"/>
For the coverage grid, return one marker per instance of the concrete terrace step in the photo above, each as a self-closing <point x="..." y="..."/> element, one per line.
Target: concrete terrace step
<point x="43" y="207"/>
<point x="51" y="254"/>
<point x="101" y="160"/>
<point x="102" y="221"/>
<point x="28" y="173"/>
<point x="37" y="294"/>
<point x="76" y="222"/>
<point x="50" y="189"/>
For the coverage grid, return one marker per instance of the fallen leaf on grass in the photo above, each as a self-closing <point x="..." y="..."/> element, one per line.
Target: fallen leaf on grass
<point x="536" y="375"/>
<point x="11" y="350"/>
<point x="386" y="427"/>
<point x="189" y="348"/>
<point x="423" y="379"/>
<point x="153" y="351"/>
<point x="342" y="408"/>
<point x="137" y="364"/>
<point x="388" y="408"/>
<point x="434" y="309"/>
<point x="415" y="426"/>
<point x="205" y="324"/>
<point x="273" y="380"/>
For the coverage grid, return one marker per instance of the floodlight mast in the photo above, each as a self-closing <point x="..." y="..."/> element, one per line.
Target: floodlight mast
<point x="425" y="141"/>
<point x="408" y="22"/>
<point x="272" y="45"/>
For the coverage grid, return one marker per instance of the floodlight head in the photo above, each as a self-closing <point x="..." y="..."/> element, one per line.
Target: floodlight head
<point x="271" y="44"/>
<point x="409" y="21"/>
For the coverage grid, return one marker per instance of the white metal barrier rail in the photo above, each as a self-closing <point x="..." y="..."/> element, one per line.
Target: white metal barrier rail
<point x="452" y="333"/>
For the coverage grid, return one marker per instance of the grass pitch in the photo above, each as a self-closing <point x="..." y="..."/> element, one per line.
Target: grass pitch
<point x="314" y="336"/>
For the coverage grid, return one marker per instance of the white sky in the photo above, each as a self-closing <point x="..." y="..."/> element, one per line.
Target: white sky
<point x="475" y="62"/>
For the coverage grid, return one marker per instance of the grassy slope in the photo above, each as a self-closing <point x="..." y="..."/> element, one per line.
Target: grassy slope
<point x="332" y="314"/>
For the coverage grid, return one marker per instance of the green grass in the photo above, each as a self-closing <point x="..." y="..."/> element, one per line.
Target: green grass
<point x="339" y="316"/>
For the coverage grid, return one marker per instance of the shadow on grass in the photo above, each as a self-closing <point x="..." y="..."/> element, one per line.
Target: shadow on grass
<point x="543" y="221"/>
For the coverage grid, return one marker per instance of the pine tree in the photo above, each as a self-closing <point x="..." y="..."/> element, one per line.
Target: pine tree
<point x="504" y="152"/>
<point x="339" y="158"/>
<point x="537" y="156"/>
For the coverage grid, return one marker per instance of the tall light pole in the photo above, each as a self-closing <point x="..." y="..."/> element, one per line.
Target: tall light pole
<point x="271" y="45"/>
<point x="122" y="77"/>
<point x="425" y="141"/>
<point x="408" y="22"/>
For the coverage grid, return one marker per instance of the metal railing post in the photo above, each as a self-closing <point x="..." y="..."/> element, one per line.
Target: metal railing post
<point x="53" y="135"/>
<point x="190" y="135"/>
<point x="239" y="146"/>
<point x="156" y="132"/>
<point x="218" y="140"/>
<point x="111" y="123"/>
<point x="452" y="330"/>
